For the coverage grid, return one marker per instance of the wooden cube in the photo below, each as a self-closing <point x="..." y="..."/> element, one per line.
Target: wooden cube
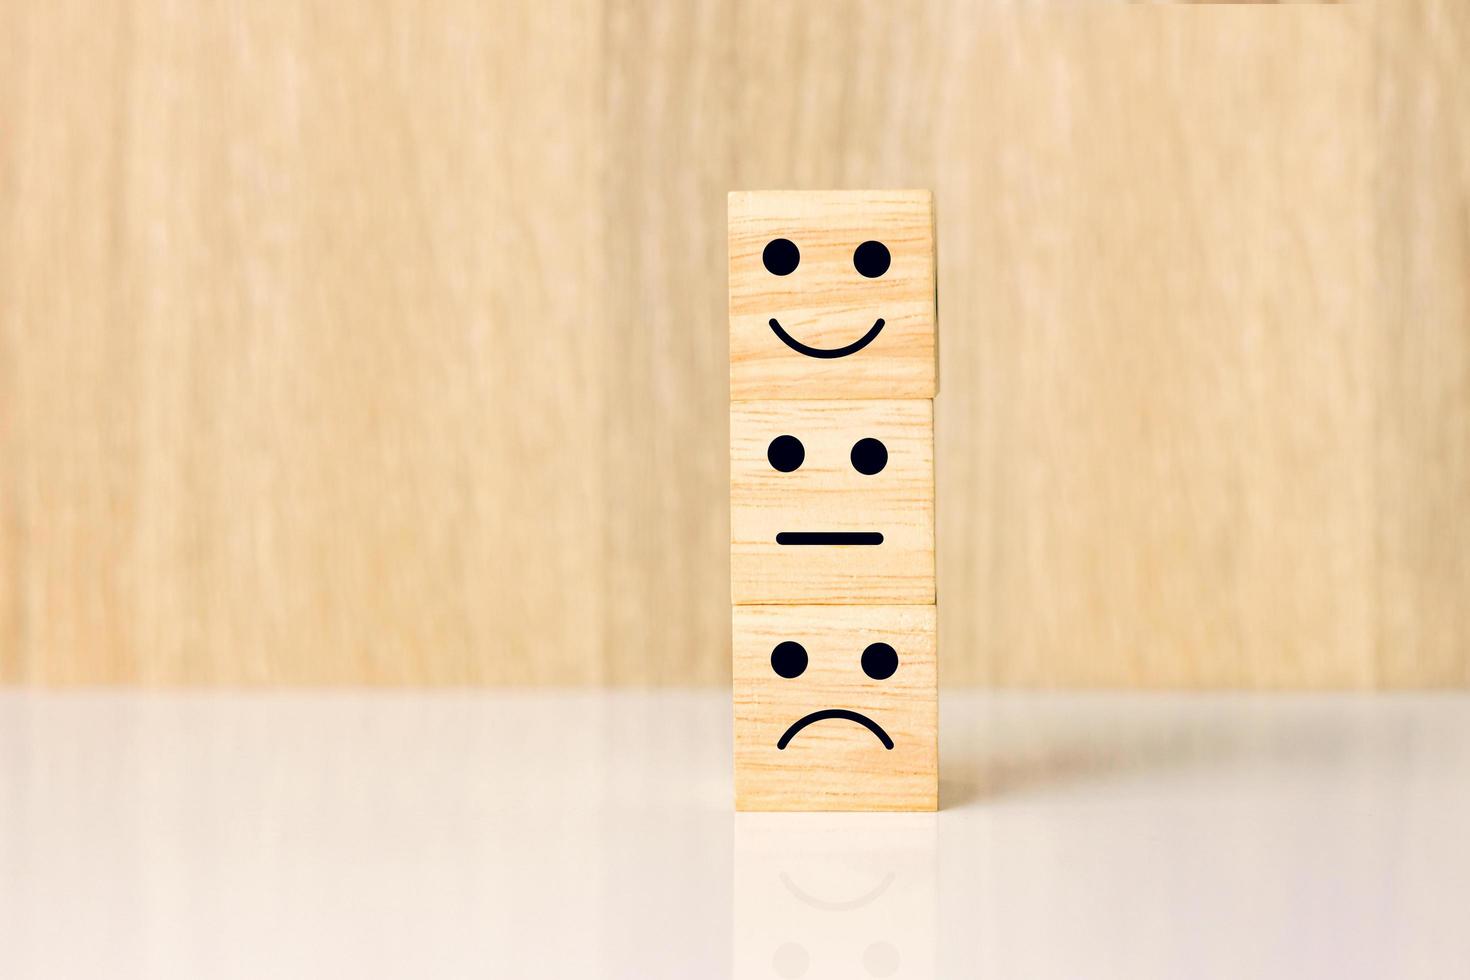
<point x="836" y="708"/>
<point x="831" y="294"/>
<point x="809" y="525"/>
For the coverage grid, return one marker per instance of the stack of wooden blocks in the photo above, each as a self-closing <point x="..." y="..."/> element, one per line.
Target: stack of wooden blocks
<point x="832" y="380"/>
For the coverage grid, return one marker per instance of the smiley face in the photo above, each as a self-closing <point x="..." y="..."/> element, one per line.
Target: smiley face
<point x="871" y="259"/>
<point x="831" y="294"/>
<point x="835" y="707"/>
<point x="832" y="502"/>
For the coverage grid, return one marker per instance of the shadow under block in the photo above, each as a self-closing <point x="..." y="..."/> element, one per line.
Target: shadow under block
<point x="827" y="493"/>
<point x="836" y="763"/>
<point x="825" y="302"/>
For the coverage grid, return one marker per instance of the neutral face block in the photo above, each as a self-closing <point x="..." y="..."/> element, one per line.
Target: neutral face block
<point x="836" y="708"/>
<point x="831" y="502"/>
<point x="831" y="294"/>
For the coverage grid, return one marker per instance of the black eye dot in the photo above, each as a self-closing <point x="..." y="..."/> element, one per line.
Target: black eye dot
<point x="785" y="453"/>
<point x="789" y="659"/>
<point x="870" y="259"/>
<point x="869" y="456"/>
<point x="781" y="257"/>
<point x="879" y="661"/>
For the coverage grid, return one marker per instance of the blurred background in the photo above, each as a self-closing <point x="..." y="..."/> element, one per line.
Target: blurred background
<point x="386" y="344"/>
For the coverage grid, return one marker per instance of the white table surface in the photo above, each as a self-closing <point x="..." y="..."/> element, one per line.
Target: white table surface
<point x="584" y="834"/>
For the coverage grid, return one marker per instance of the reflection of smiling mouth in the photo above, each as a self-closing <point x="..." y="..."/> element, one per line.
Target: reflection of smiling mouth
<point x="828" y="905"/>
<point x="823" y="352"/>
<point x="841" y="713"/>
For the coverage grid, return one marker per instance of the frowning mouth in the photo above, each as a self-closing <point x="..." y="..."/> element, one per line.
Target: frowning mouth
<point x="827" y="352"/>
<point x="838" y="713"/>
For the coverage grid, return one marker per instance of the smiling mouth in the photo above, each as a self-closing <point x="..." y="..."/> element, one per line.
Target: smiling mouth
<point x="839" y="713"/>
<point x="829" y="537"/>
<point x="825" y="352"/>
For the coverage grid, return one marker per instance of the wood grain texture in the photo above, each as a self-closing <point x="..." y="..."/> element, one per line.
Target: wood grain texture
<point x="271" y="302"/>
<point x="828" y="494"/>
<point x="390" y="345"/>
<point x="884" y="321"/>
<point x="1172" y="406"/>
<point x="1421" y="344"/>
<point x="834" y="763"/>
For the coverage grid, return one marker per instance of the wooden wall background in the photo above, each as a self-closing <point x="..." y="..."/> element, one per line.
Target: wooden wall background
<point x="386" y="343"/>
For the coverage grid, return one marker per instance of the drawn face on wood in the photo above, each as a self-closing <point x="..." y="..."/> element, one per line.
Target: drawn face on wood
<point x="834" y="706"/>
<point x="831" y="294"/>
<point x="832" y="502"/>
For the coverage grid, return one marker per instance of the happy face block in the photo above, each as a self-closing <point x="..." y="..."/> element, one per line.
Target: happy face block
<point x="832" y="502"/>
<point x="831" y="294"/>
<point x="836" y="708"/>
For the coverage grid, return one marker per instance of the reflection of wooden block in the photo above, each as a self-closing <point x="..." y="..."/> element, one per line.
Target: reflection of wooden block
<point x="827" y="494"/>
<point x="835" y="895"/>
<point x="834" y="296"/>
<point x="836" y="761"/>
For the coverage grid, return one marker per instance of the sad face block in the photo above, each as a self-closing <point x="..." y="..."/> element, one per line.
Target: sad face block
<point x="836" y="708"/>
<point x="832" y="502"/>
<point x="831" y="294"/>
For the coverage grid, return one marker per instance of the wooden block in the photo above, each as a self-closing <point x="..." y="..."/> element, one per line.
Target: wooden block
<point x="835" y="316"/>
<point x="836" y="708"/>
<point x="771" y="510"/>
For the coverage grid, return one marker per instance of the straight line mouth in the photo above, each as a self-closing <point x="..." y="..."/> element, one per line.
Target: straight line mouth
<point x="829" y="537"/>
